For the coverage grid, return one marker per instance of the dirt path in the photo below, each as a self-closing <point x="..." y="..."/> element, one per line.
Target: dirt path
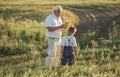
<point x="92" y="19"/>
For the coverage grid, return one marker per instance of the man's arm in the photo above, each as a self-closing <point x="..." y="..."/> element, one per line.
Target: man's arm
<point x="63" y="26"/>
<point x="54" y="28"/>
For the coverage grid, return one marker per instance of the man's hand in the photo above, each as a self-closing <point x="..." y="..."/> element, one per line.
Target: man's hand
<point x="64" y="26"/>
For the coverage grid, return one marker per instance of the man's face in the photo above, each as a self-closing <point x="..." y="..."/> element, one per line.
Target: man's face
<point x="58" y="12"/>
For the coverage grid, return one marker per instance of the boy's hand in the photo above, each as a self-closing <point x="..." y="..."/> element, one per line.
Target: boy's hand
<point x="76" y="56"/>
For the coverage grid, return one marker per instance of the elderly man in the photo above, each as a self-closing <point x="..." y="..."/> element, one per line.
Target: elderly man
<point x="54" y="27"/>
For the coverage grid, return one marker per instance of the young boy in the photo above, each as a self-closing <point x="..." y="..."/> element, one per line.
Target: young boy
<point x="69" y="47"/>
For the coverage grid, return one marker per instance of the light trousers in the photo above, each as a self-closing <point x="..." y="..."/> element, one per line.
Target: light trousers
<point x="53" y="52"/>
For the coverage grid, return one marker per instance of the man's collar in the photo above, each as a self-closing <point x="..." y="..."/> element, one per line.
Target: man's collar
<point x="55" y="16"/>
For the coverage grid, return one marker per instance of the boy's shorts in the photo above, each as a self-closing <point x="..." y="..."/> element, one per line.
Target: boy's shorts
<point x="67" y="59"/>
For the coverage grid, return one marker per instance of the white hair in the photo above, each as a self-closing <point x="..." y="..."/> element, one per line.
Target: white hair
<point x="57" y="7"/>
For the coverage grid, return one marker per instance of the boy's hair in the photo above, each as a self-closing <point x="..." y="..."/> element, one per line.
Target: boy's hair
<point x="72" y="29"/>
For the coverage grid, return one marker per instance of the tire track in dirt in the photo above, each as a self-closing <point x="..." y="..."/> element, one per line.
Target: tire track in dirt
<point x="93" y="20"/>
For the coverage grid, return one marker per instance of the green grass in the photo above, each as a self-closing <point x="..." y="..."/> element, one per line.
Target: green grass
<point x="90" y="63"/>
<point x="16" y="2"/>
<point x="23" y="44"/>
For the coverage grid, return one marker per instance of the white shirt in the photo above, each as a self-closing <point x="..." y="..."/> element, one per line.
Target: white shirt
<point x="65" y="41"/>
<point x="53" y="21"/>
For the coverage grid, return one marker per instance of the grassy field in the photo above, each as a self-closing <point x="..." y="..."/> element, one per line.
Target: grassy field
<point x="12" y="2"/>
<point x="23" y="44"/>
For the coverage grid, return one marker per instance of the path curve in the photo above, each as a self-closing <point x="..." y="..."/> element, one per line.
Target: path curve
<point x="92" y="19"/>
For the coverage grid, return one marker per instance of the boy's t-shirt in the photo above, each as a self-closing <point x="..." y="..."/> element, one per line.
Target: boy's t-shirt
<point x="65" y="41"/>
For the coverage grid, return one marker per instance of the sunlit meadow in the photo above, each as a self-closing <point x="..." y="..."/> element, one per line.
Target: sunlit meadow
<point x="23" y="43"/>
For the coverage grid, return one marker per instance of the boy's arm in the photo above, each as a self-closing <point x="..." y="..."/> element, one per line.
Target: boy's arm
<point x="76" y="52"/>
<point x="61" y="50"/>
